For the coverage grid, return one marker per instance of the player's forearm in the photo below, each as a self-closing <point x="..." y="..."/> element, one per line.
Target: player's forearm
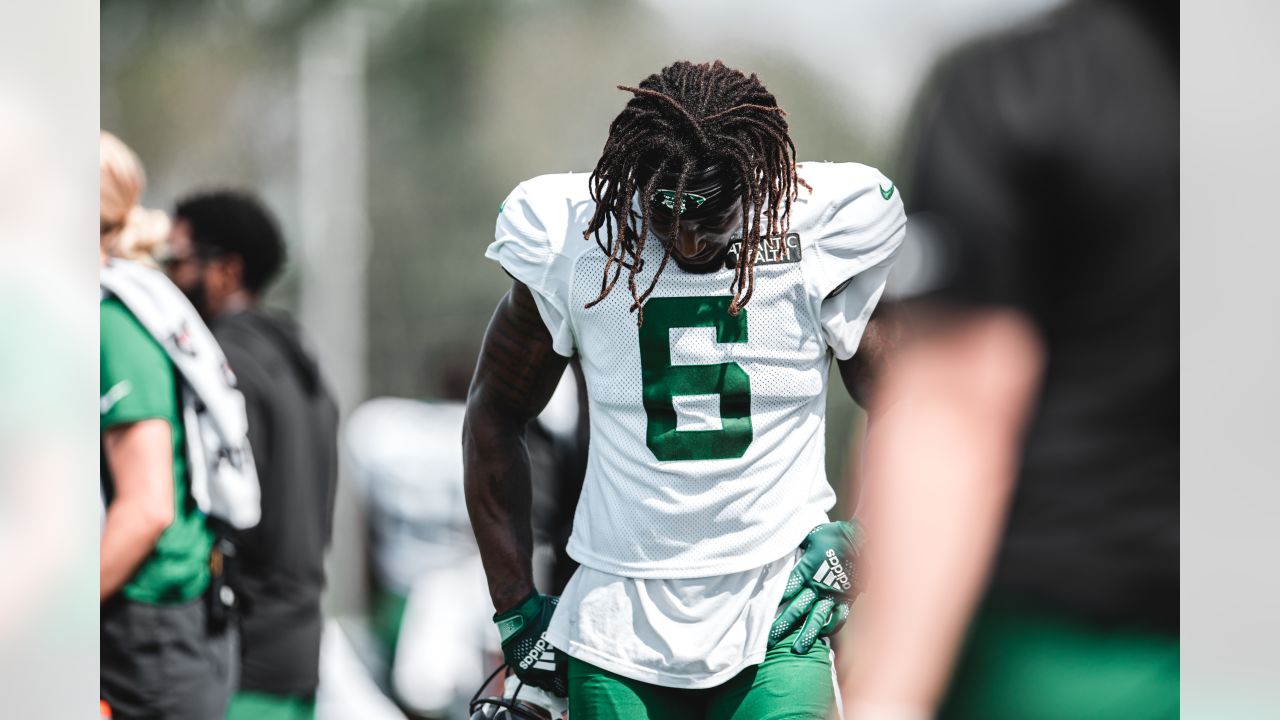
<point x="499" y="495"/>
<point x="940" y="472"/>
<point x="130" y="533"/>
<point x="933" y="530"/>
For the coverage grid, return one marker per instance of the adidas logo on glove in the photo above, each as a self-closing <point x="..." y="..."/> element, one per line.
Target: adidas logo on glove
<point x="832" y="573"/>
<point x="541" y="657"/>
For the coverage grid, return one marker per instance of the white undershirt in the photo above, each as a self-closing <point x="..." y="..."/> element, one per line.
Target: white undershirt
<point x="691" y="633"/>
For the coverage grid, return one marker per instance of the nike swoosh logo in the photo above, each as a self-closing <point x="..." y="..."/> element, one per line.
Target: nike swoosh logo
<point x="886" y="194"/>
<point x="113" y="396"/>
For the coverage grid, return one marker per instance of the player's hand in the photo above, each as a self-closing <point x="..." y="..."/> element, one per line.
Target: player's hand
<point x="821" y="587"/>
<point x="523" y="630"/>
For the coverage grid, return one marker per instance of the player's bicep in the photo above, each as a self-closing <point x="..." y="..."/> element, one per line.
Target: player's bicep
<point x="883" y="334"/>
<point x="518" y="368"/>
<point x="986" y="361"/>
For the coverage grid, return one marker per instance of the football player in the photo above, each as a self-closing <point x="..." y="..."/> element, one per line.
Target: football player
<point x="709" y="568"/>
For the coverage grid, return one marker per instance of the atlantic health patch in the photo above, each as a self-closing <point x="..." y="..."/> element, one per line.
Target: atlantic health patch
<point x="772" y="251"/>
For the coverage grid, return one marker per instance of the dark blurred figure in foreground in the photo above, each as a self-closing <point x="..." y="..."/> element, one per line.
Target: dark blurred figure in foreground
<point x="1040" y="385"/>
<point x="224" y="251"/>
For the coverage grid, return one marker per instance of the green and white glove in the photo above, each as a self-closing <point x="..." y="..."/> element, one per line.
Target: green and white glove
<point x="821" y="587"/>
<point x="523" y="630"/>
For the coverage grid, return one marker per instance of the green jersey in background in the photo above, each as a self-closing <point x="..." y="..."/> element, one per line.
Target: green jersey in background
<point x="138" y="382"/>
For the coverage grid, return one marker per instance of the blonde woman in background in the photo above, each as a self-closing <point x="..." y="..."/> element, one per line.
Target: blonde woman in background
<point x="159" y="658"/>
<point x="127" y="230"/>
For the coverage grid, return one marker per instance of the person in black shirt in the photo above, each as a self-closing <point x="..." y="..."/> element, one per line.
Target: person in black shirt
<point x="1037" y="440"/>
<point x="224" y="251"/>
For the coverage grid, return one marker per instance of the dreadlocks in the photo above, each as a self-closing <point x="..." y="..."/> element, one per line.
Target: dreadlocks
<point x="678" y="122"/>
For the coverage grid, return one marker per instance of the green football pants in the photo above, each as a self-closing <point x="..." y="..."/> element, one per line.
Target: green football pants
<point x="1026" y="664"/>
<point x="247" y="705"/>
<point x="784" y="685"/>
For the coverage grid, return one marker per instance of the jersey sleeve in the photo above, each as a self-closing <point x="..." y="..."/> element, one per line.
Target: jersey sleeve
<point x="136" y="378"/>
<point x="526" y="246"/>
<point x="862" y="230"/>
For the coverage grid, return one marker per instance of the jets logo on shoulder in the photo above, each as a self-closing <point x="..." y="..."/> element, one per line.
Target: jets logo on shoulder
<point x="832" y="572"/>
<point x="541" y="657"/>
<point x="772" y="251"/>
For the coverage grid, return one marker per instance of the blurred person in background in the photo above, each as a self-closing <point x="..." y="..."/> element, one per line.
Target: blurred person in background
<point x="160" y="657"/>
<point x="407" y="464"/>
<point x="710" y="571"/>
<point x="223" y="252"/>
<point x="128" y="232"/>
<point x="1028" y="490"/>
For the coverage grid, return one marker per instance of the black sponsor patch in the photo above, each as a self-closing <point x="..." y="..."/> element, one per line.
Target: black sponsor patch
<point x="773" y="251"/>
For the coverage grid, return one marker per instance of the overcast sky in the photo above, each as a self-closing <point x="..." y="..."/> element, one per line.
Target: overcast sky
<point x="875" y="51"/>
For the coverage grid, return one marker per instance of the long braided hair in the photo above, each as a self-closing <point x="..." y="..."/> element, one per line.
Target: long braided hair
<point x="678" y="122"/>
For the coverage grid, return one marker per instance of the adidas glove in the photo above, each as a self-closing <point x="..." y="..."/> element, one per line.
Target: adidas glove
<point x="821" y="587"/>
<point x="523" y="630"/>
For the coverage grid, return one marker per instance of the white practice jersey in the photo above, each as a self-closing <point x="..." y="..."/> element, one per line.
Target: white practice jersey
<point x="707" y="430"/>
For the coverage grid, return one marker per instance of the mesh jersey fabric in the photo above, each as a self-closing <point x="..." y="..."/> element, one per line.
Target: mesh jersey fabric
<point x="707" y="431"/>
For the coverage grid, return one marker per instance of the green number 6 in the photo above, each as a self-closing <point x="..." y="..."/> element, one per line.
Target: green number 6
<point x="664" y="381"/>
